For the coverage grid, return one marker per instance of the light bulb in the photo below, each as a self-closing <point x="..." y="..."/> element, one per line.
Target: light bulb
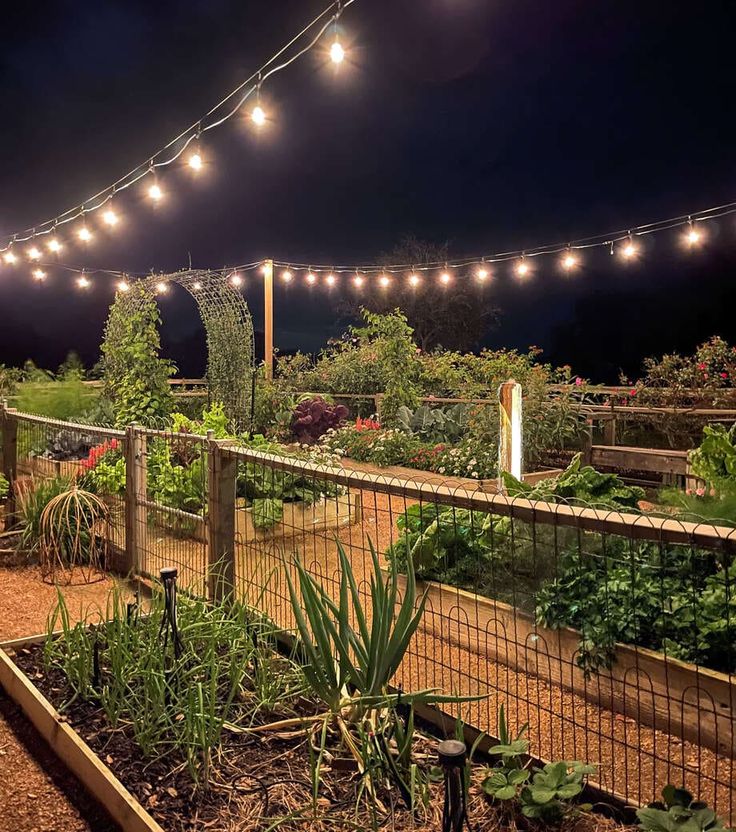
<point x="569" y="261"/>
<point x="629" y="250"/>
<point x="39" y="274"/>
<point x="311" y="278"/>
<point x="258" y="115"/>
<point x="413" y="279"/>
<point x="84" y="234"/>
<point x="9" y="257"/>
<point x="445" y="278"/>
<point x="83" y="282"/>
<point x="195" y="161"/>
<point x="54" y="245"/>
<point x="358" y="280"/>
<point x="236" y="279"/>
<point x="162" y="288"/>
<point x="196" y="286"/>
<point x="287" y="276"/>
<point x="330" y="279"/>
<point x="123" y="286"/>
<point x="522" y="268"/>
<point x="384" y="280"/>
<point x="337" y="53"/>
<point x="482" y="273"/>
<point x="693" y="236"/>
<point x="155" y="192"/>
<point x="110" y="218"/>
<point x="34" y="253"/>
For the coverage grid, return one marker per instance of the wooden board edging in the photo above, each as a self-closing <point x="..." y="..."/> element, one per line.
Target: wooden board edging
<point x="73" y="752"/>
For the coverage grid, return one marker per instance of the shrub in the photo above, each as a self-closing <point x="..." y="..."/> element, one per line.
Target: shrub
<point x="33" y="497"/>
<point x="314" y="417"/>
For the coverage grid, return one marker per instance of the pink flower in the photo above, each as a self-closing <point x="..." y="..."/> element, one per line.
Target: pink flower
<point x="700" y="492"/>
<point x="701" y="366"/>
<point x="578" y="381"/>
<point x="724" y="375"/>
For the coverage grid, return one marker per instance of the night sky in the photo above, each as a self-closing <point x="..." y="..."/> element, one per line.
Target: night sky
<point x="488" y="125"/>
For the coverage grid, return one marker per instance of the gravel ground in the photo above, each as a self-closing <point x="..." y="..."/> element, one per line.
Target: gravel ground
<point x="37" y="793"/>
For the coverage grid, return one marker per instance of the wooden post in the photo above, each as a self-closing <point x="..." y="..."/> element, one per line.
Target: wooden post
<point x="9" y="460"/>
<point x="221" y="477"/>
<point x="609" y="428"/>
<point x="586" y="442"/>
<point x="268" y="317"/>
<point x="136" y="513"/>
<point x="509" y="443"/>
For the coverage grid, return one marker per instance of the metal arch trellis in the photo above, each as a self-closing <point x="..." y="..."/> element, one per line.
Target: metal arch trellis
<point x="230" y="339"/>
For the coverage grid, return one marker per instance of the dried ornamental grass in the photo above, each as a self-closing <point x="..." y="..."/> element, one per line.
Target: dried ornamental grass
<point x="74" y="530"/>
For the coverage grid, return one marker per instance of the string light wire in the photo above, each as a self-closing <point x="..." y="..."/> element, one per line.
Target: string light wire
<point x="194" y="131"/>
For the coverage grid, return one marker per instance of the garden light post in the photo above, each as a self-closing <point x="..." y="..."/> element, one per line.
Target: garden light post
<point x="509" y="440"/>
<point x="268" y="317"/>
<point x="452" y="755"/>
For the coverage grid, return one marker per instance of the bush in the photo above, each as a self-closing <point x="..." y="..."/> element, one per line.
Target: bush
<point x="314" y="417"/>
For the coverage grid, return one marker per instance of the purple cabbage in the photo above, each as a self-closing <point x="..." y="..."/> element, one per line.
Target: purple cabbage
<point x="314" y="417"/>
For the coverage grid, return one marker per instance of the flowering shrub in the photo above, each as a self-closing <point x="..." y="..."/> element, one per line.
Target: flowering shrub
<point x="314" y="417"/>
<point x="103" y="471"/>
<point x="96" y="453"/>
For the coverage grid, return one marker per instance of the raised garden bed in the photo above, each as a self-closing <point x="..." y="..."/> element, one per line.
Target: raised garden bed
<point x="673" y="696"/>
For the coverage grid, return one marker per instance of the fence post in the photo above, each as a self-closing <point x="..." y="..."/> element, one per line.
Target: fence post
<point x="586" y="442"/>
<point x="9" y="459"/>
<point x="509" y="441"/>
<point x="221" y="476"/>
<point x="136" y="513"/>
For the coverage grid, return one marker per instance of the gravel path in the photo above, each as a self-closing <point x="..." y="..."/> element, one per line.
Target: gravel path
<point x="37" y="793"/>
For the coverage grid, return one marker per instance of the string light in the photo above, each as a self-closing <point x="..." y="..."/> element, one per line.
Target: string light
<point x="54" y="245"/>
<point x="692" y="236"/>
<point x="34" y="253"/>
<point x="311" y="278"/>
<point x="84" y="234"/>
<point x="358" y="280"/>
<point x="155" y="192"/>
<point x="195" y="161"/>
<point x="337" y="53"/>
<point x="482" y="273"/>
<point x="236" y="279"/>
<point x="522" y="267"/>
<point x="39" y="274"/>
<point x="123" y="286"/>
<point x="385" y="281"/>
<point x="331" y="279"/>
<point x="258" y="116"/>
<point x="9" y="257"/>
<point x="83" y="281"/>
<point x="629" y="250"/>
<point x="446" y="278"/>
<point x="287" y="276"/>
<point x="414" y="280"/>
<point x="196" y="286"/>
<point x="162" y="288"/>
<point x="110" y="218"/>
<point x="569" y="261"/>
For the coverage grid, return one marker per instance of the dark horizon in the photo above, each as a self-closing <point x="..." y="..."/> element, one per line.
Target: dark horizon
<point x="482" y="125"/>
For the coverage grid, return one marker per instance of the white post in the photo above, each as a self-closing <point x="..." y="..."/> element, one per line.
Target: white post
<point x="509" y="442"/>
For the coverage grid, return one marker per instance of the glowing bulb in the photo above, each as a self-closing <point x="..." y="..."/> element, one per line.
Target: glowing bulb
<point x="34" y="253"/>
<point x="693" y="236"/>
<point x="337" y="53"/>
<point x="110" y="218"/>
<point x="629" y="250"/>
<point x="413" y="279"/>
<point x="311" y="278"/>
<point x="287" y="276"/>
<point x="155" y="192"/>
<point x="39" y="274"/>
<point x="54" y="245"/>
<point x="196" y="286"/>
<point x="162" y="288"/>
<point x="123" y="286"/>
<point x="83" y="282"/>
<point x="195" y="161"/>
<point x="84" y="234"/>
<point x="330" y="279"/>
<point x="522" y="268"/>
<point x="258" y="115"/>
<point x="482" y="273"/>
<point x="358" y="280"/>
<point x="569" y="261"/>
<point x="236" y="279"/>
<point x="9" y="258"/>
<point x="445" y="278"/>
<point x="384" y="280"/>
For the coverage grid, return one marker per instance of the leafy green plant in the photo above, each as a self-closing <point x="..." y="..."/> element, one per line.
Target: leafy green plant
<point x="715" y="460"/>
<point x="135" y="378"/>
<point x="552" y="788"/>
<point x="435" y="424"/>
<point x="504" y="780"/>
<point x="678" y="812"/>
<point x="33" y="497"/>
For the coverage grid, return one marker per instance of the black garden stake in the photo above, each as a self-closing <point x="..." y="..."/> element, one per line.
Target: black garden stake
<point x="168" y="622"/>
<point x="452" y="755"/>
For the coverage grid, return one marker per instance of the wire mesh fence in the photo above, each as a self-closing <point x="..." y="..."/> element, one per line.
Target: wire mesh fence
<point x="610" y="634"/>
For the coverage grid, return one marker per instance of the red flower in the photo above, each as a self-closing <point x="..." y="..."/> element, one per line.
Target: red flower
<point x="724" y="375"/>
<point x="701" y="366"/>
<point x="632" y="392"/>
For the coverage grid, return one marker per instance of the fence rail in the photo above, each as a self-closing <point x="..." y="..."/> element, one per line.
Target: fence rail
<point x="610" y="633"/>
